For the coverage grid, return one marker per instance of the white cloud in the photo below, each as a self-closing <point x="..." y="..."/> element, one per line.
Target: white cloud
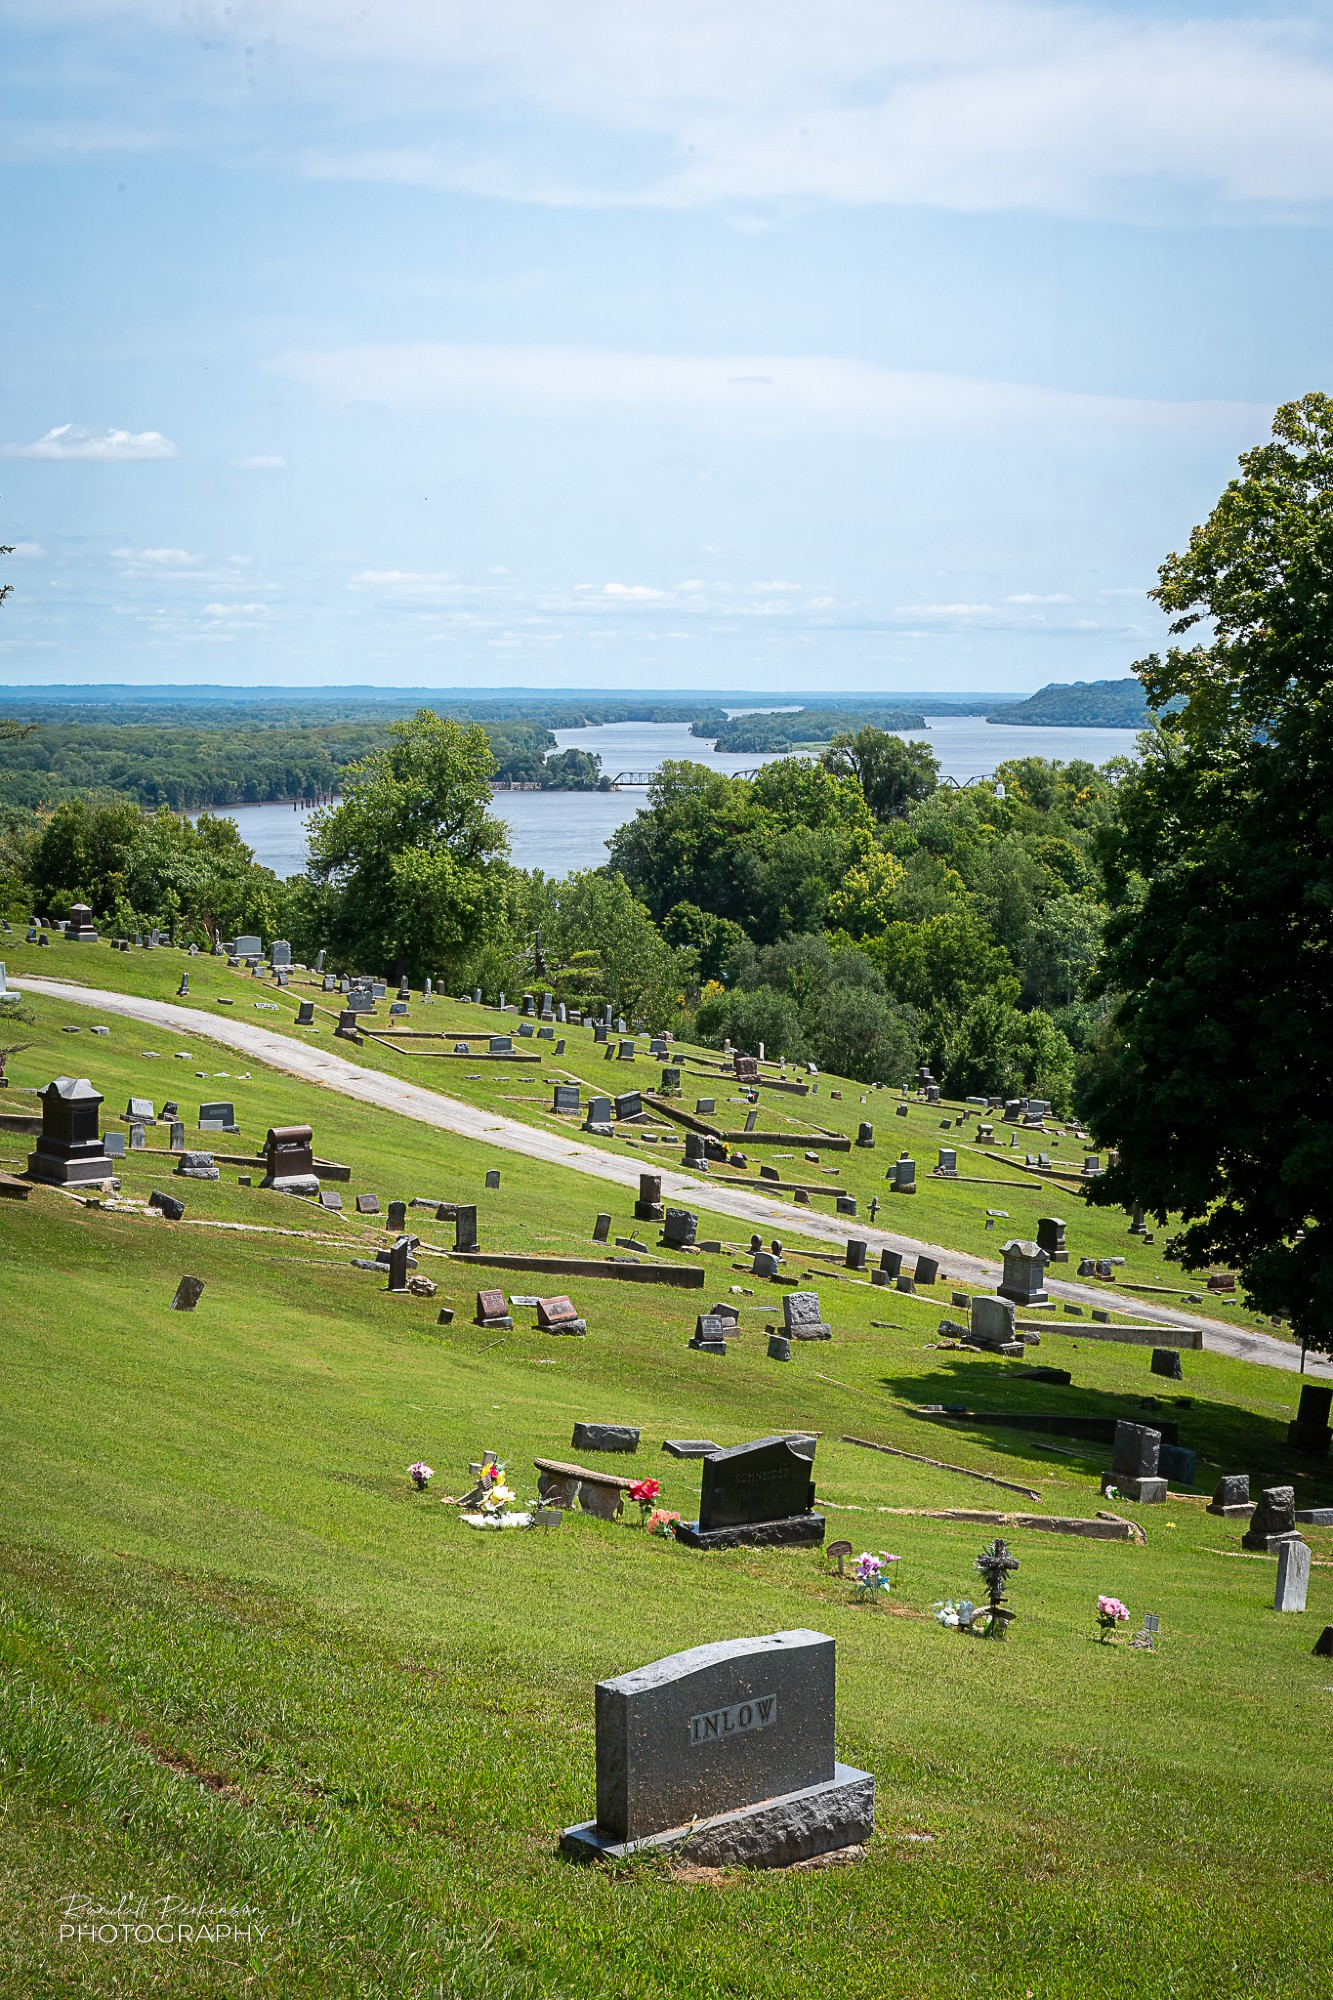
<point x="806" y="389"/>
<point x="236" y="610"/>
<point x="30" y="551"/>
<point x="112" y="446"/>
<point x="1034" y="597"/>
<point x="638" y="593"/>
<point x="942" y="610"/>
<point x="262" y="462"/>
<point x="158" y="559"/>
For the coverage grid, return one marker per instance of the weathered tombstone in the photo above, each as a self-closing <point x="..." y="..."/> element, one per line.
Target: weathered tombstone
<point x="465" y="1227"/>
<point x="1135" y="1458"/>
<point x="1310" y="1432"/>
<point x="138" y="1138"/>
<point x="802" y="1317"/>
<point x="1024" y="1272"/>
<point x="648" y="1208"/>
<point x="705" y="1106"/>
<point x="1273" y="1521"/>
<point x="176" y="1142"/>
<point x="992" y="1324"/>
<point x="400" y="1257"/>
<point x="331" y="1199"/>
<point x="167" y="1205"/>
<point x="188" y="1294"/>
<point x="367" y="1204"/>
<point x="696" y="1156"/>
<point x="845" y="1204"/>
<point x="397" y="1217"/>
<point x="710" y="1333"/>
<point x="183" y="990"/>
<point x="220" y="1114"/>
<point x="728" y="1747"/>
<point x="891" y="1262"/>
<point x="1231" y="1495"/>
<point x="289" y="1161"/>
<point x="679" y="1227"/>
<point x="865" y="1135"/>
<point x="559" y="1315"/>
<point x="598" y="1117"/>
<point x="765" y="1265"/>
<point x="855" y="1259"/>
<point x="69" y="1150"/>
<point x="1293" y="1576"/>
<point x="566" y="1099"/>
<point x="948" y="1161"/>
<point x="757" y="1495"/>
<point x="492" y="1310"/>
<point x="927" y="1270"/>
<point x="1051" y="1239"/>
<point x="80" y="926"/>
<point x="629" y="1104"/>
<point x="114" y="1145"/>
<point x="246" y="947"/>
<point x="492" y="1178"/>
<point x="605" y="1437"/>
<point x="305" y="1014"/>
<point x="601" y="1229"/>
<point x="1166" y="1361"/>
<point x="139" y="1111"/>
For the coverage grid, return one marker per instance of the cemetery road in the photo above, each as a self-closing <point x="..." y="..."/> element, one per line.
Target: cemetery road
<point x="450" y="1114"/>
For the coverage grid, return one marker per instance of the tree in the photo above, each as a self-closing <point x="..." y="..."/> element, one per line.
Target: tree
<point x="1215" y="1078"/>
<point x="892" y="772"/>
<point x="412" y="857"/>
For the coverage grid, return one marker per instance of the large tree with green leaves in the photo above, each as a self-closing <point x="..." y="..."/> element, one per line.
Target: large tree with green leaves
<point x="1216" y="1079"/>
<point x="892" y="772"/>
<point x="410" y="871"/>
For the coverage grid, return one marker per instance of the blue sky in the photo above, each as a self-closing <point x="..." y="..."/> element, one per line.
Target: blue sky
<point x="729" y="343"/>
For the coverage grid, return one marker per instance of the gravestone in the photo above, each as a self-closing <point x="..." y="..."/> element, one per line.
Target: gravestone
<point x="289" y="1160"/>
<point x="566" y="1099"/>
<point x="779" y="1346"/>
<point x="1051" y="1239"/>
<point x="1024" y="1273"/>
<point x="605" y="1437"/>
<point x="139" y="1111"/>
<point x="948" y="1161"/>
<point x="992" y="1325"/>
<point x="696" y="1157"/>
<point x="1310" y="1432"/>
<point x="855" y="1259"/>
<point x="138" y="1141"/>
<point x="1293" y="1576"/>
<point x="559" y="1315"/>
<point x="1231" y="1495"/>
<point x="765" y="1265"/>
<point x="1135" y="1459"/>
<point x="400" y="1261"/>
<point x="927" y="1270"/>
<point x="802" y="1318"/>
<point x="69" y="1150"/>
<point x="902" y="1174"/>
<point x="493" y="1178"/>
<point x="280" y="953"/>
<point x="601" y="1229"/>
<point x="710" y="1333"/>
<point x="465" y="1227"/>
<point x="679" y="1228"/>
<point x="729" y="1747"/>
<point x="331" y="1199"/>
<point x="188" y="1294"/>
<point x="599" y="1117"/>
<point x="689" y="1447"/>
<point x="648" y="1208"/>
<point x="705" y="1106"/>
<point x="629" y="1104"/>
<point x="305" y="1014"/>
<point x="845" y="1204"/>
<point x="176" y="1142"/>
<point x="865" y="1135"/>
<point x="491" y="1310"/>
<point x="220" y="1114"/>
<point x="80" y="926"/>
<point x="246" y="947"/>
<point x="1273" y="1521"/>
<point x="367" y="1204"/>
<point x="1166" y="1361"/>
<point x="167" y="1205"/>
<point x="197" y="1167"/>
<point x="757" y="1495"/>
<point x="891" y="1262"/>
<point x="397" y="1217"/>
<point x="114" y="1144"/>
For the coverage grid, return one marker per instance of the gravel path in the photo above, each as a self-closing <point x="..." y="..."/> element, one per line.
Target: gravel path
<point x="449" y="1114"/>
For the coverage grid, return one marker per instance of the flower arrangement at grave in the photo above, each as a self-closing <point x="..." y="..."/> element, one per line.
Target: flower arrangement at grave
<point x="420" y="1475"/>
<point x="1110" y="1613"/>
<point x="994" y="1565"/>
<point x="873" y="1577"/>
<point x="493" y="1502"/>
<point x="662" y="1522"/>
<point x="645" y="1492"/>
<point x="957" y="1617"/>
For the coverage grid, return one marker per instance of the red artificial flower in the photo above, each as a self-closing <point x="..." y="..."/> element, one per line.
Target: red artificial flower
<point x="645" y="1491"/>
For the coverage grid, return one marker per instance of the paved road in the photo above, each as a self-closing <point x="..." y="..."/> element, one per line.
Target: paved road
<point x="314" y="1064"/>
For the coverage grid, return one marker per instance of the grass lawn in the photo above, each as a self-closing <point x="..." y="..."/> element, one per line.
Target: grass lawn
<point x="245" y="1665"/>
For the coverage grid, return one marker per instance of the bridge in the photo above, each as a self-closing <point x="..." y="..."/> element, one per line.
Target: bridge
<point x="639" y="781"/>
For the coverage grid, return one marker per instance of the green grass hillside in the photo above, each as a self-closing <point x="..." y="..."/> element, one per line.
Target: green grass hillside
<point x="247" y="1666"/>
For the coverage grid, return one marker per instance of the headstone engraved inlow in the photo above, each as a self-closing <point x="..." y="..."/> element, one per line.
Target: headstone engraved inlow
<point x="289" y="1161"/>
<point x="69" y="1151"/>
<point x="729" y="1747"/>
<point x="756" y="1495"/>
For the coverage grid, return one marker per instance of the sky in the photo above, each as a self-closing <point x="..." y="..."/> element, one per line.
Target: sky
<point x="583" y="343"/>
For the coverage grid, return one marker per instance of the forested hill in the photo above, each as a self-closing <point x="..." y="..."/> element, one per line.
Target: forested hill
<point x="1081" y="705"/>
<point x="766" y="732"/>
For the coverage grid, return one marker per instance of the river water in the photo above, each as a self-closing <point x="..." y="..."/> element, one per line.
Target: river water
<point x="559" y="832"/>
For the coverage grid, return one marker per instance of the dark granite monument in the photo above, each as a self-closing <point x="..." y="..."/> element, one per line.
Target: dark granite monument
<point x="70" y="1152"/>
<point x="289" y="1160"/>
<point x="728" y="1747"/>
<point x="756" y="1495"/>
<point x="1310" y="1432"/>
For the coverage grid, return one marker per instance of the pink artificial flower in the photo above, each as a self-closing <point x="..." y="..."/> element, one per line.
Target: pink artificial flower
<point x="645" y="1491"/>
<point x="1113" y="1609"/>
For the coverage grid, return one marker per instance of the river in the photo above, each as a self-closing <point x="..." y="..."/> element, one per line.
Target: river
<point x="563" y="831"/>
